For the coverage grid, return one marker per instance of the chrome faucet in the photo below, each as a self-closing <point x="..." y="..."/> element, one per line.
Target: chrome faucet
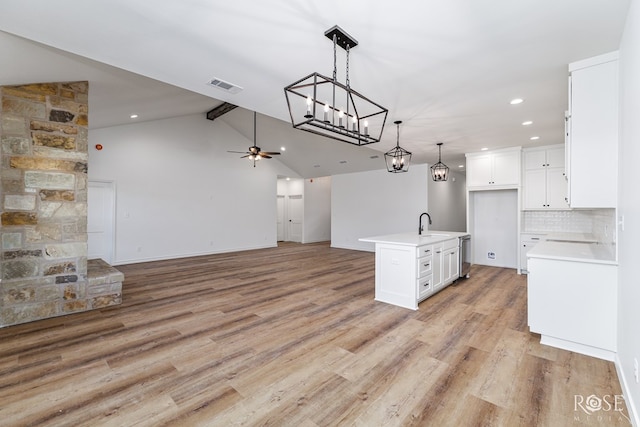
<point x="420" y="226"/>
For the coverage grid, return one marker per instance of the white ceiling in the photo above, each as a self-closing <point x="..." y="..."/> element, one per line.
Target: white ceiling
<point x="446" y="68"/>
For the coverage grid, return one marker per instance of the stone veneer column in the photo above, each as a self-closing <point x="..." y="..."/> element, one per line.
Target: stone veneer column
<point x="43" y="196"/>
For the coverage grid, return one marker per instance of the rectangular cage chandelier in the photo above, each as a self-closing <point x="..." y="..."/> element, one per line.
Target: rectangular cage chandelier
<point x="324" y="106"/>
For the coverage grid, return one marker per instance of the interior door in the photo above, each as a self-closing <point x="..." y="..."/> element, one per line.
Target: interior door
<point x="296" y="210"/>
<point x="101" y="220"/>
<point x="280" y="219"/>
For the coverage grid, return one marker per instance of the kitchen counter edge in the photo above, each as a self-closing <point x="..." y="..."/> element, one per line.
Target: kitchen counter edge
<point x="573" y="251"/>
<point x="414" y="239"/>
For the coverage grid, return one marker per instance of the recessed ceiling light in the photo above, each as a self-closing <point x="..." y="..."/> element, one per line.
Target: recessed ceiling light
<point x="288" y="179"/>
<point x="343" y="161"/>
<point x="484" y="149"/>
<point x="533" y="138"/>
<point x="527" y="123"/>
<point x="283" y="149"/>
<point x="516" y="101"/>
<point x="460" y="166"/>
<point x="134" y="116"/>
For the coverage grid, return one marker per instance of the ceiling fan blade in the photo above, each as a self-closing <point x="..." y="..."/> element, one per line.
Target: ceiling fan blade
<point x="271" y="153"/>
<point x="242" y="157"/>
<point x="238" y="152"/>
<point x="264" y="156"/>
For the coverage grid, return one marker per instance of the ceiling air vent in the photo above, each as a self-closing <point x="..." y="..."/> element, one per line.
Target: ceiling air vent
<point x="226" y="86"/>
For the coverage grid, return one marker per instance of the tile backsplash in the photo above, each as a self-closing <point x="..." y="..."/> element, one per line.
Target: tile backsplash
<point x="600" y="222"/>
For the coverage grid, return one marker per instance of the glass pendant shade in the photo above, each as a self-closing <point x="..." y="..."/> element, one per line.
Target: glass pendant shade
<point x="439" y="171"/>
<point x="397" y="159"/>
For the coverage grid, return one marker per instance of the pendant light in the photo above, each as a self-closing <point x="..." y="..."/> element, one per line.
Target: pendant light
<point x="439" y="171"/>
<point x="397" y="159"/>
<point x="324" y="106"/>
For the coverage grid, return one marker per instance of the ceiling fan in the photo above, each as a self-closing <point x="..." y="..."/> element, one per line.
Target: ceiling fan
<point x="254" y="152"/>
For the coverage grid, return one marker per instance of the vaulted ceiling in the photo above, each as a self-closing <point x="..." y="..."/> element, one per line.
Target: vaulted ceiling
<point x="446" y="68"/>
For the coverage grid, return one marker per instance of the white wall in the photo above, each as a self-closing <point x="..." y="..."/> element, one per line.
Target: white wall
<point x="374" y="203"/>
<point x="629" y="207"/>
<point x="494" y="227"/>
<point x="448" y="203"/>
<point x="179" y="193"/>
<point x="317" y="210"/>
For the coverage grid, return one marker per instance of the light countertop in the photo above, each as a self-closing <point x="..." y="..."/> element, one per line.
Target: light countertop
<point x="574" y="251"/>
<point x="414" y="239"/>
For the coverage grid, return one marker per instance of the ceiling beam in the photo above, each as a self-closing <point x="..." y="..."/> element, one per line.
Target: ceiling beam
<point x="220" y="110"/>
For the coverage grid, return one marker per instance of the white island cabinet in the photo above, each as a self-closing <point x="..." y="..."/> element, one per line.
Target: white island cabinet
<point x="412" y="267"/>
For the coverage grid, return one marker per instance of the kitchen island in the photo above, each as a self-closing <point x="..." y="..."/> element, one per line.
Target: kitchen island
<point x="411" y="267"/>
<point x="572" y="295"/>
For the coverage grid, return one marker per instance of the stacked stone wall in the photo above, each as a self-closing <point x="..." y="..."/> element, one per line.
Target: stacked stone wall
<point x="43" y="197"/>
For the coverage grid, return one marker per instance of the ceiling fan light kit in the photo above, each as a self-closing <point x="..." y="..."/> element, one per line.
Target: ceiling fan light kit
<point x="326" y="107"/>
<point x="397" y="159"/>
<point x="439" y="171"/>
<point x="254" y="154"/>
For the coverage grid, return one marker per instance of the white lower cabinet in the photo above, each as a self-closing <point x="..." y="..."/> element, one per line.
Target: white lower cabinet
<point x="438" y="281"/>
<point x="450" y="262"/>
<point x="572" y="305"/>
<point x="527" y="242"/>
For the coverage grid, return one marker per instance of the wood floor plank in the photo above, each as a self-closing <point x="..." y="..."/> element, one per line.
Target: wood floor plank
<point x="501" y="369"/>
<point x="292" y="336"/>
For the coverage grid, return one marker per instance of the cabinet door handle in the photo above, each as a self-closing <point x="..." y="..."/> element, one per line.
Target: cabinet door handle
<point x="425" y="284"/>
<point x="453" y="252"/>
<point x="426" y="265"/>
<point x="438" y="252"/>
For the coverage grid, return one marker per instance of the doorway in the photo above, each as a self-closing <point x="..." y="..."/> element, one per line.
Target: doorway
<point x="101" y="203"/>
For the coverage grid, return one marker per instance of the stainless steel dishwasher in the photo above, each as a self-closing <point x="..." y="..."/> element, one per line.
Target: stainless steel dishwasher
<point x="465" y="255"/>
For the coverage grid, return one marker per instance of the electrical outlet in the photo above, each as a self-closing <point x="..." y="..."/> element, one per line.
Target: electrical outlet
<point x="635" y="369"/>
<point x="491" y="255"/>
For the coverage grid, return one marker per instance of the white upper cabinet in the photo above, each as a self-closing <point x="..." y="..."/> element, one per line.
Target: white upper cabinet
<point x="592" y="132"/>
<point x="493" y="170"/>
<point x="544" y="186"/>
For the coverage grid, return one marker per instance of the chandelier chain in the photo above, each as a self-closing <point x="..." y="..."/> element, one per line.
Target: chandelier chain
<point x="335" y="56"/>
<point x="348" y="66"/>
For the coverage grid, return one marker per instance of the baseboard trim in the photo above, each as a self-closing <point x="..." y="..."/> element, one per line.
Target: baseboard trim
<point x="626" y="392"/>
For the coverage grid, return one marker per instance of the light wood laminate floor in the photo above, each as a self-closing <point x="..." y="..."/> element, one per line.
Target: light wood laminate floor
<point x="291" y="336"/>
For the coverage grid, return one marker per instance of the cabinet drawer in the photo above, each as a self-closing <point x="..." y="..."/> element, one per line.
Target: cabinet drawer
<point x="424" y="266"/>
<point x="534" y="237"/>
<point x="425" y="251"/>
<point x="425" y="287"/>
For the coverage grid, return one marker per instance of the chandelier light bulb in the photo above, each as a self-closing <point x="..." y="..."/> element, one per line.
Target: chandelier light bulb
<point x="309" y="102"/>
